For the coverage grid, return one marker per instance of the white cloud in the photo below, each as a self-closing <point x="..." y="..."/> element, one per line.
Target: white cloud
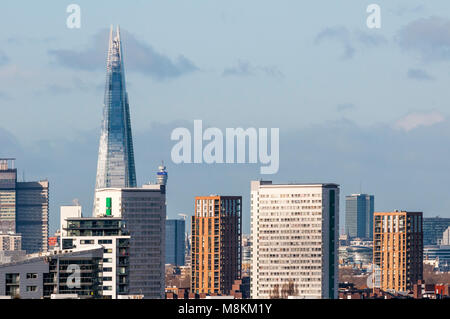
<point x="416" y="119"/>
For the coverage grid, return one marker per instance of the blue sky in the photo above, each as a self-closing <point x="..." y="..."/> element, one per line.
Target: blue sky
<point x="355" y="106"/>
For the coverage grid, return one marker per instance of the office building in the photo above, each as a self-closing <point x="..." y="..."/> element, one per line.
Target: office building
<point x="8" y="181"/>
<point x="398" y="249"/>
<point x="446" y="237"/>
<point x="359" y="210"/>
<point x="115" y="166"/>
<point x="40" y="275"/>
<point x="216" y="243"/>
<point x="175" y="241"/>
<point x="433" y="228"/>
<point x="294" y="236"/>
<point x="143" y="210"/>
<point x="24" y="208"/>
<point x="438" y="256"/>
<point x="32" y="215"/>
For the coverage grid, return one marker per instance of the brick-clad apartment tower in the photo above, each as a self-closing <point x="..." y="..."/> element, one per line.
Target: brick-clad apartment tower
<point x="216" y="243"/>
<point x="398" y="249"/>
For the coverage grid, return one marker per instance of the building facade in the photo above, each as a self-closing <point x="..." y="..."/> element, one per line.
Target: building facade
<point x="446" y="237"/>
<point x="143" y="210"/>
<point x="24" y="208"/>
<point x="216" y="243"/>
<point x="10" y="242"/>
<point x="359" y="210"/>
<point x="112" y="235"/>
<point x="433" y="228"/>
<point x="40" y="275"/>
<point x="115" y="166"/>
<point x="32" y="215"/>
<point x="175" y="241"/>
<point x="294" y="236"/>
<point x="8" y="181"/>
<point x="398" y="249"/>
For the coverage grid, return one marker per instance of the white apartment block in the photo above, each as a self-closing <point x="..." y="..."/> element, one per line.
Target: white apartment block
<point x="10" y="242"/>
<point x="294" y="235"/>
<point x="143" y="210"/>
<point x="110" y="233"/>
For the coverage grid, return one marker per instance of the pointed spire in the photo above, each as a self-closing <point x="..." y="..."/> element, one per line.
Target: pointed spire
<point x="115" y="166"/>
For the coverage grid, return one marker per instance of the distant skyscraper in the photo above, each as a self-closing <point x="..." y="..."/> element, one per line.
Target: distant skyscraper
<point x="398" y="249"/>
<point x="216" y="243"/>
<point x="359" y="210"/>
<point x="175" y="241"/>
<point x="8" y="180"/>
<point x="115" y="167"/>
<point x="32" y="215"/>
<point x="294" y="235"/>
<point x="433" y="228"/>
<point x="24" y="208"/>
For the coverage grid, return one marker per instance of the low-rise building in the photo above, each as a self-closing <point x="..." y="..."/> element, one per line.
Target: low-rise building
<point x="36" y="276"/>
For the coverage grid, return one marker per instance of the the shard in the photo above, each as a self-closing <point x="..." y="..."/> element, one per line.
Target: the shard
<point x="115" y="167"/>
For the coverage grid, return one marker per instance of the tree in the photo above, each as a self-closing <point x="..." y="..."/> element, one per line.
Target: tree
<point x="275" y="293"/>
<point x="289" y="289"/>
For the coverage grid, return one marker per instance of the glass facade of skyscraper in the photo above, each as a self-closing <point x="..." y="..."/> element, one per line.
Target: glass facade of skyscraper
<point x="175" y="241"/>
<point x="433" y="228"/>
<point x="115" y="167"/>
<point x="359" y="210"/>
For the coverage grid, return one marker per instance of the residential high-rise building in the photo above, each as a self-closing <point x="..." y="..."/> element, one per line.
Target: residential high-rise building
<point x="433" y="228"/>
<point x="110" y="233"/>
<point x="398" y="249"/>
<point x="294" y="236"/>
<point x="115" y="167"/>
<point x="10" y="242"/>
<point x="24" y="208"/>
<point x="143" y="210"/>
<point x="175" y="241"/>
<point x="359" y="210"/>
<point x="216" y="243"/>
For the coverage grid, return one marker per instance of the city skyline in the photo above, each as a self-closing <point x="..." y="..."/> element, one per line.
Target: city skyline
<point x="371" y="128"/>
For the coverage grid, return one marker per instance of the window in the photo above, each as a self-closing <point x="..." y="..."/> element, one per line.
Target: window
<point x="31" y="288"/>
<point x="86" y="242"/>
<point x="31" y="275"/>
